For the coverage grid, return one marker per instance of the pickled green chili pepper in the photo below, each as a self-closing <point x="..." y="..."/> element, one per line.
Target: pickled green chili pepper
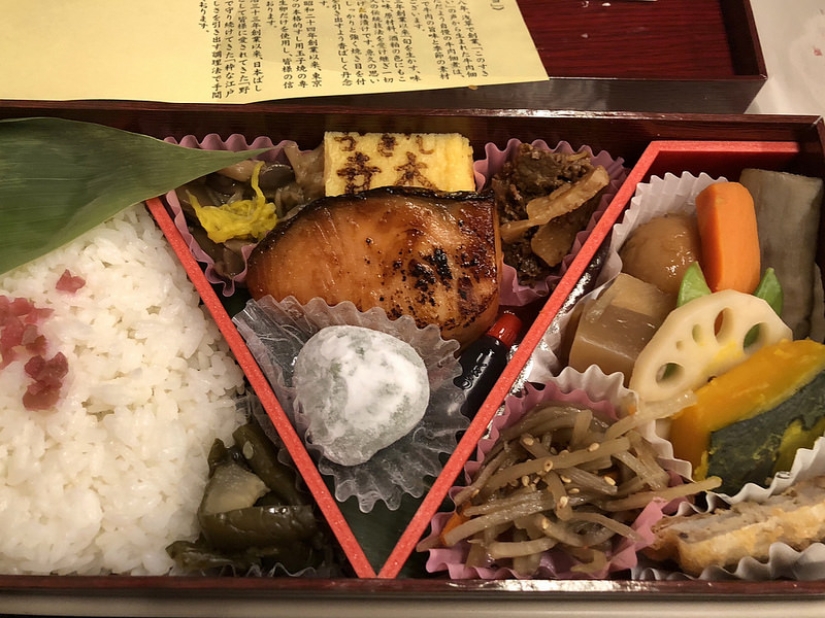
<point x="262" y="458"/>
<point x="258" y="526"/>
<point x="200" y="556"/>
<point x="252" y="513"/>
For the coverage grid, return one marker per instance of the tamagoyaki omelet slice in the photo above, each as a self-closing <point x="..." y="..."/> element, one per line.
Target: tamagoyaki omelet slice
<point x="356" y="162"/>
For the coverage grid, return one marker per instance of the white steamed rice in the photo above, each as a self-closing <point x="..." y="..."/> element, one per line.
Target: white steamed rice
<point x="104" y="483"/>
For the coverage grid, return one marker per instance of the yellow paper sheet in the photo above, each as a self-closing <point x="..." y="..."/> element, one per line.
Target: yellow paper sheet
<point x="242" y="51"/>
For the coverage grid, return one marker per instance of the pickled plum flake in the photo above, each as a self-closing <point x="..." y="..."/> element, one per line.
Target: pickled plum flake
<point x="360" y="391"/>
<point x="21" y="340"/>
<point x="69" y="283"/>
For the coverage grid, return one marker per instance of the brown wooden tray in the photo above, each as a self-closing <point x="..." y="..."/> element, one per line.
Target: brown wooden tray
<point x="625" y="55"/>
<point x="668" y="55"/>
<point x="623" y="134"/>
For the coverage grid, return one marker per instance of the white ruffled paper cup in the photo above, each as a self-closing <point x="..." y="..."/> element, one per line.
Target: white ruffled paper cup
<point x="605" y="395"/>
<point x="513" y="293"/>
<point x="275" y="333"/>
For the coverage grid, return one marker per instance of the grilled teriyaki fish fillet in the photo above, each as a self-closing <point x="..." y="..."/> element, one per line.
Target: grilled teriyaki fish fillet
<point x="434" y="256"/>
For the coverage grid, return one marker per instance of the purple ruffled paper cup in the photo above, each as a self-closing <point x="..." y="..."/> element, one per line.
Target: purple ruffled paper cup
<point x="602" y="394"/>
<point x="234" y="143"/>
<point x="513" y="293"/>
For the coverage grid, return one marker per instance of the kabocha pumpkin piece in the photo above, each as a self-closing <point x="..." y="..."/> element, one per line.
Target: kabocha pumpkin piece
<point x="702" y="339"/>
<point x="747" y="424"/>
<point x="726" y="217"/>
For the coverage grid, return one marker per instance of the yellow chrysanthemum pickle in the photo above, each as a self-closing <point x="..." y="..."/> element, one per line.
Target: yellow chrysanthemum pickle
<point x="247" y="219"/>
<point x="747" y="423"/>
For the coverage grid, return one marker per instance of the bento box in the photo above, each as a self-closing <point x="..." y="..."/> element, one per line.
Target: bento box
<point x="649" y="145"/>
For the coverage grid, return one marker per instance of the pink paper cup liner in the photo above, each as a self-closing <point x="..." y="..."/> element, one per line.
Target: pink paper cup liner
<point x="234" y="143"/>
<point x="603" y="395"/>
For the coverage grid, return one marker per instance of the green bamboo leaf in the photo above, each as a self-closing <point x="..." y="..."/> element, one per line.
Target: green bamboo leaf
<point x="60" y="178"/>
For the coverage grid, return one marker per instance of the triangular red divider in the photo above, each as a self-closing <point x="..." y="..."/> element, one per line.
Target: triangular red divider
<point x="658" y="158"/>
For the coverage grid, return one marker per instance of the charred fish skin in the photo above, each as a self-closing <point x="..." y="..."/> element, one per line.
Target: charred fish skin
<point x="434" y="256"/>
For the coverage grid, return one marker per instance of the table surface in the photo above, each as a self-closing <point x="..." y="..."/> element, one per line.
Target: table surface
<point x="792" y="35"/>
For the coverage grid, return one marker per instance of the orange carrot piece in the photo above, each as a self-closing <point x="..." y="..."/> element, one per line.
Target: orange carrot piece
<point x="730" y="241"/>
<point x="455" y="520"/>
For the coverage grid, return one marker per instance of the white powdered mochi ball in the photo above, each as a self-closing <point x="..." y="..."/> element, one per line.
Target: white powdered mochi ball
<point x="360" y="390"/>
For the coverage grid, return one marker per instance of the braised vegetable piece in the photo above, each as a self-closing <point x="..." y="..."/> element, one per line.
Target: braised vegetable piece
<point x="787" y="214"/>
<point x="730" y="241"/>
<point x="614" y="328"/>
<point x="702" y="339"/>
<point x="693" y="285"/>
<point x="771" y="291"/>
<point x="748" y="423"/>
<point x="661" y="250"/>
